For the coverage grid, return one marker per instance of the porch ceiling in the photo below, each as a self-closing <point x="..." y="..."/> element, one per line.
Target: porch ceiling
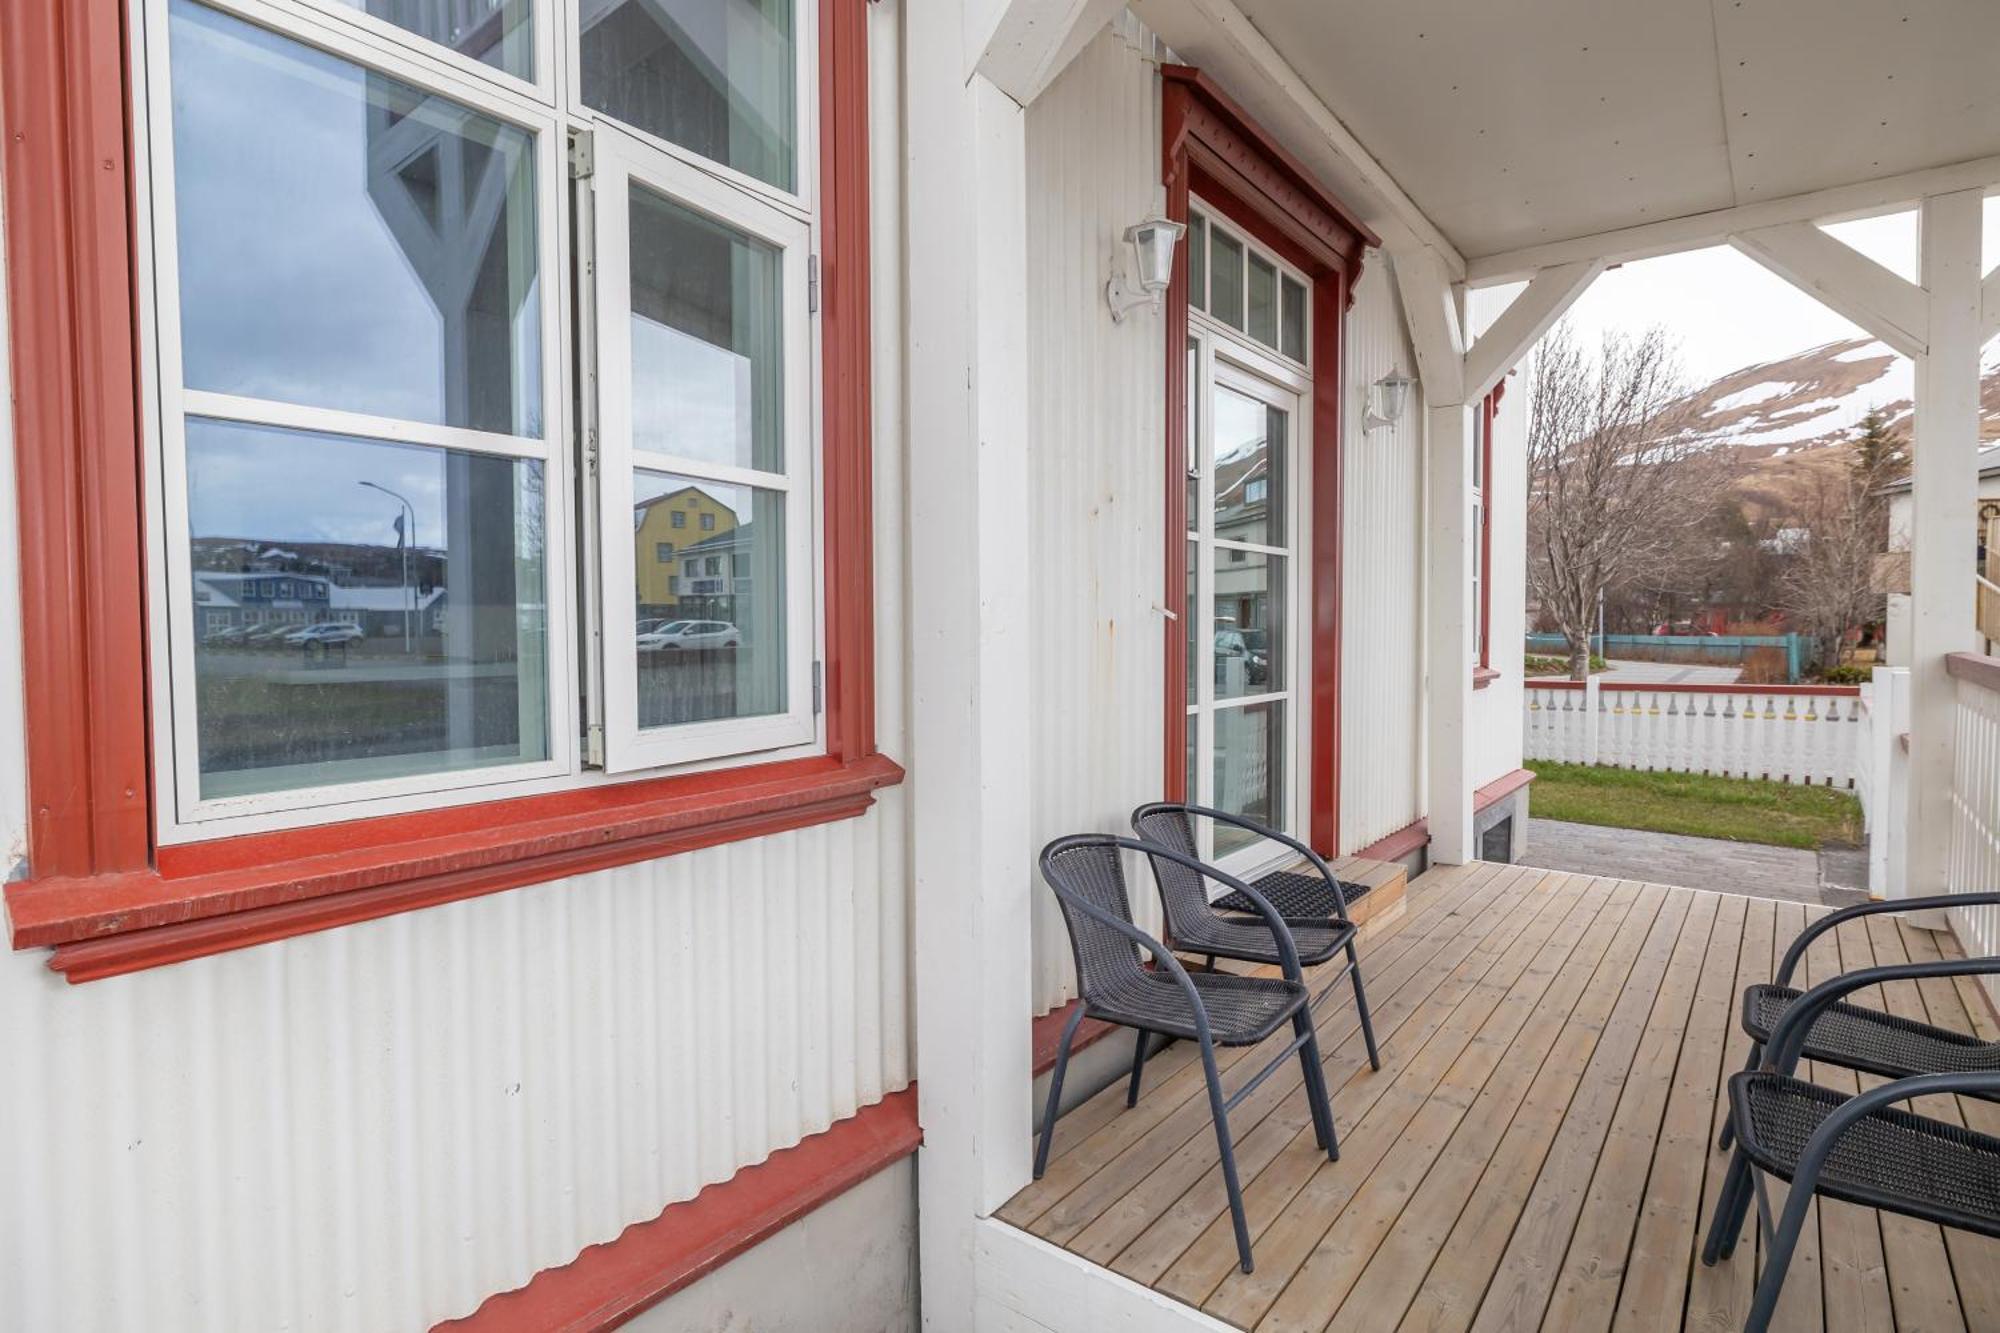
<point x="1513" y="125"/>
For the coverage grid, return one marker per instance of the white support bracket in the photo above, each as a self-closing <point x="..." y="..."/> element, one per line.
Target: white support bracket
<point x="1431" y="308"/>
<point x="1886" y="304"/>
<point x="1029" y="42"/>
<point x="1549" y="293"/>
<point x="1455" y="373"/>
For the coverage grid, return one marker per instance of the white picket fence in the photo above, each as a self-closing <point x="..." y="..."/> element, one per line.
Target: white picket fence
<point x="1805" y="735"/>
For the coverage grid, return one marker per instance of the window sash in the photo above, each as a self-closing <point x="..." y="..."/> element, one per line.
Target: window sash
<point x="624" y="162"/>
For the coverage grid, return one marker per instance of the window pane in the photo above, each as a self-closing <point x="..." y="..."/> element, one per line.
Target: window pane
<point x="710" y="645"/>
<point x="1249" y="623"/>
<point x="1197" y="267"/>
<point x="1263" y="321"/>
<point x="1249" y="469"/>
<point x="1292" y="334"/>
<point x="1193" y="622"/>
<point x="1193" y="434"/>
<point x="714" y="76"/>
<point x="362" y="610"/>
<point x="1225" y="283"/>
<point x="707" y="324"/>
<point x="349" y="241"/>
<point x="497" y="32"/>
<point x="1249" y="769"/>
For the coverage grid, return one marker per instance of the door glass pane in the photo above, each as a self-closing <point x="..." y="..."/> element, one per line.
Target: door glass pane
<point x="1263" y="322"/>
<point x="710" y="645"/>
<point x="707" y="328"/>
<point x="1192" y="792"/>
<point x="362" y="610"/>
<point x="1249" y="634"/>
<point x="1292" y="331"/>
<point x="1249" y="769"/>
<point x="1193" y="435"/>
<point x="1250" y="468"/>
<point x="496" y="32"/>
<point x="1225" y="283"/>
<point x="1197" y="261"/>
<point x="716" y="77"/>
<point x="1193" y="622"/>
<point x="347" y="240"/>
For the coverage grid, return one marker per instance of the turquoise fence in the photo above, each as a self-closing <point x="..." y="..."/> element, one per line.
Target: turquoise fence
<point x="1716" y="649"/>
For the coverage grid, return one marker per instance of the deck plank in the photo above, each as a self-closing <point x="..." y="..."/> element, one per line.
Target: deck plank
<point x="1854" y="1269"/>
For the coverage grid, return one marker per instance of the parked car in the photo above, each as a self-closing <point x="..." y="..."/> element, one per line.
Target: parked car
<point x="222" y="635"/>
<point x="268" y="636"/>
<point x="690" y="635"/>
<point x="326" y="634"/>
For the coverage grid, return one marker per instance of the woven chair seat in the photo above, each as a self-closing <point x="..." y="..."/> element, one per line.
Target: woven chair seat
<point x="1241" y="1010"/>
<point x="1250" y="939"/>
<point x="1873" y="1042"/>
<point x="1891" y="1158"/>
<point x="1301" y="899"/>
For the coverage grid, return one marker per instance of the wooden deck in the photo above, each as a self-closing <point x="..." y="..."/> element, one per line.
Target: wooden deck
<point x="1537" y="1150"/>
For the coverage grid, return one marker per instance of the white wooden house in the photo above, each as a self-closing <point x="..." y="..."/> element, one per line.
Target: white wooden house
<point x="508" y="977"/>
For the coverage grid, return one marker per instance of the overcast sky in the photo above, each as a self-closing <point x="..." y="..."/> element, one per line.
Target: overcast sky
<point x="1727" y="311"/>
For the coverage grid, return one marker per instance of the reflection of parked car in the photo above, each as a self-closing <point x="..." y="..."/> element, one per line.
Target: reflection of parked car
<point x="1257" y="648"/>
<point x="325" y="635"/>
<point x="223" y="634"/>
<point x="689" y="635"/>
<point x="267" y="636"/>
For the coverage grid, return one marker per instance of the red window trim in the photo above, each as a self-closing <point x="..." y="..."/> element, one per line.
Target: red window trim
<point x="98" y="887"/>
<point x="1213" y="148"/>
<point x="1483" y="673"/>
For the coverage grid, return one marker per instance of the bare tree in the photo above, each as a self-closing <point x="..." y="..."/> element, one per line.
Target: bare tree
<point x="1620" y="488"/>
<point x="1843" y="520"/>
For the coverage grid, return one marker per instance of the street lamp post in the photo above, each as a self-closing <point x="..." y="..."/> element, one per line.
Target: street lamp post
<point x="409" y="540"/>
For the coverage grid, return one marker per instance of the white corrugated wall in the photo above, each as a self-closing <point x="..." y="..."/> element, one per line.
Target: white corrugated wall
<point x="377" y="1127"/>
<point x="1092" y="547"/>
<point x="1381" y="698"/>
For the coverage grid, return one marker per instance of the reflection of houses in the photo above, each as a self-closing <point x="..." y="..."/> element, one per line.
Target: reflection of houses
<point x="227" y="601"/>
<point x="1242" y="505"/>
<point x="715" y="572"/>
<point x="666" y="528"/>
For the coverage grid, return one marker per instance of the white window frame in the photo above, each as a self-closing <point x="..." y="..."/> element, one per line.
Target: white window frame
<point x="576" y="560"/>
<point x="1213" y="220"/>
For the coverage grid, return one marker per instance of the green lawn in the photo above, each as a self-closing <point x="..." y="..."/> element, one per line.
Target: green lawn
<point x="1736" y="809"/>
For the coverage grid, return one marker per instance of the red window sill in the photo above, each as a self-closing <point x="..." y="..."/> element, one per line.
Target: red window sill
<point x="231" y="893"/>
<point x="1483" y="676"/>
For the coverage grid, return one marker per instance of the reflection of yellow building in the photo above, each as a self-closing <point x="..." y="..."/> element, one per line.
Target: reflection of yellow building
<point x="664" y="528"/>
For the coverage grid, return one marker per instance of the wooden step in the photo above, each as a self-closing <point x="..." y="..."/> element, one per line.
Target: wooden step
<point x="1387" y="882"/>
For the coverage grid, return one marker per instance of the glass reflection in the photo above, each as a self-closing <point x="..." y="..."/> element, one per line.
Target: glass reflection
<point x="499" y="33"/>
<point x="707" y="323"/>
<point x="710" y="602"/>
<point x="346" y="240"/>
<point x="361" y="610"/>
<point x="714" y="76"/>
<point x="1225" y="281"/>
<point x="1249" y="623"/>
<point x="1263" y="321"/>
<point x="1249" y="469"/>
<point x="1249" y="769"/>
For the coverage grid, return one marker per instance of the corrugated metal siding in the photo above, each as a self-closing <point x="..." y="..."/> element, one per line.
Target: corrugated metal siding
<point x="1094" y="540"/>
<point x="1382" y="579"/>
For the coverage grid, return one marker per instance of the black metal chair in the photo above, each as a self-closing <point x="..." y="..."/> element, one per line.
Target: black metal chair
<point x="1313" y="905"/>
<point x="1212" y="1008"/>
<point x="1852" y="1148"/>
<point x="1854" y="1036"/>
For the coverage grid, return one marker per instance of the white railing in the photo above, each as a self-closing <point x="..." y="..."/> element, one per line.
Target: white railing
<point x="1801" y="734"/>
<point x="1974" y="864"/>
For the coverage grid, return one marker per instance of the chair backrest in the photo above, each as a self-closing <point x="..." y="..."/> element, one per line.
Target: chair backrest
<point x="1182" y="890"/>
<point x="1091" y="869"/>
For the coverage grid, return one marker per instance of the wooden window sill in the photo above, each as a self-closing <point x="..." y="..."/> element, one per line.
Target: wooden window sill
<point x="232" y="893"/>
<point x="1483" y="676"/>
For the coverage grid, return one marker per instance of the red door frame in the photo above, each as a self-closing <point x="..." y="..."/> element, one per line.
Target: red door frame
<point x="1212" y="147"/>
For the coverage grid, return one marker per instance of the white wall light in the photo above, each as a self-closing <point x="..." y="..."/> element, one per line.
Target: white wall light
<point x="1387" y="397"/>
<point x="1152" y="243"/>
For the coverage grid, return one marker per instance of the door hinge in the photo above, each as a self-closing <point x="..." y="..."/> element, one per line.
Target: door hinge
<point x="582" y="155"/>
<point x="593" y="745"/>
<point x="819" y="692"/>
<point x="812" y="284"/>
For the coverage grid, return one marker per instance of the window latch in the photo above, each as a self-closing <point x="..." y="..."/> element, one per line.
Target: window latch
<point x="819" y="700"/>
<point x="582" y="155"/>
<point x="812" y="284"/>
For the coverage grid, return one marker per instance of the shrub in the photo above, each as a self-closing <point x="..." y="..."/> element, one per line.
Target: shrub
<point x="1847" y="674"/>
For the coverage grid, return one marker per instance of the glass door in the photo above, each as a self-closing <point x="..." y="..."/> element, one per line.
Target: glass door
<point x="1242" y="571"/>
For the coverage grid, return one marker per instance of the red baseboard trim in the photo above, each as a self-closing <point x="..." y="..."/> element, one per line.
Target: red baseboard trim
<point x="1048" y="1034"/>
<point x="1398" y="844"/>
<point x="1500" y="789"/>
<point x="608" y="1284"/>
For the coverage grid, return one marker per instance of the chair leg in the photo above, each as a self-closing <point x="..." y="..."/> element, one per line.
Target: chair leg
<point x="1316" y="1096"/>
<point x="1361" y="1006"/>
<point x="1055" y="1090"/>
<point x="1229" y="1181"/>
<point x="1779" y="1257"/>
<point x="1729" y="1116"/>
<point x="1138" y="1064"/>
<point x="1730" y="1207"/>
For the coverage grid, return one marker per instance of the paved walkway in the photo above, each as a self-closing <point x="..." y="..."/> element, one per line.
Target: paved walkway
<point x="1667" y="673"/>
<point x="1834" y="877"/>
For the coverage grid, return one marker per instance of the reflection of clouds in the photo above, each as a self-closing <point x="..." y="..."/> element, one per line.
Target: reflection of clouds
<point x="690" y="398"/>
<point x="286" y="485"/>
<point x="292" y="286"/>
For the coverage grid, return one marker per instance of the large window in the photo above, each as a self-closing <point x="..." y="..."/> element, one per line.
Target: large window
<point x="485" y="452"/>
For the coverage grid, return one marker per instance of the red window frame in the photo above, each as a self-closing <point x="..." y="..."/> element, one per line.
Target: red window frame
<point x="1483" y="673"/>
<point x="1212" y="147"/>
<point x="99" y="889"/>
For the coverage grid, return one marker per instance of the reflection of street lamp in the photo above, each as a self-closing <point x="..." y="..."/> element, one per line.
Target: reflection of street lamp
<point x="409" y="540"/>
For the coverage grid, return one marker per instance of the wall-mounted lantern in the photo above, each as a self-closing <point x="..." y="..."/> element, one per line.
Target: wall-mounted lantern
<point x="1387" y="397"/>
<point x="1152" y="243"/>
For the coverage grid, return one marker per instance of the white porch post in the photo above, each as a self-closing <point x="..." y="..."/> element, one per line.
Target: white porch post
<point x="969" y="653"/>
<point x="1449" y="614"/>
<point x="1944" y="490"/>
